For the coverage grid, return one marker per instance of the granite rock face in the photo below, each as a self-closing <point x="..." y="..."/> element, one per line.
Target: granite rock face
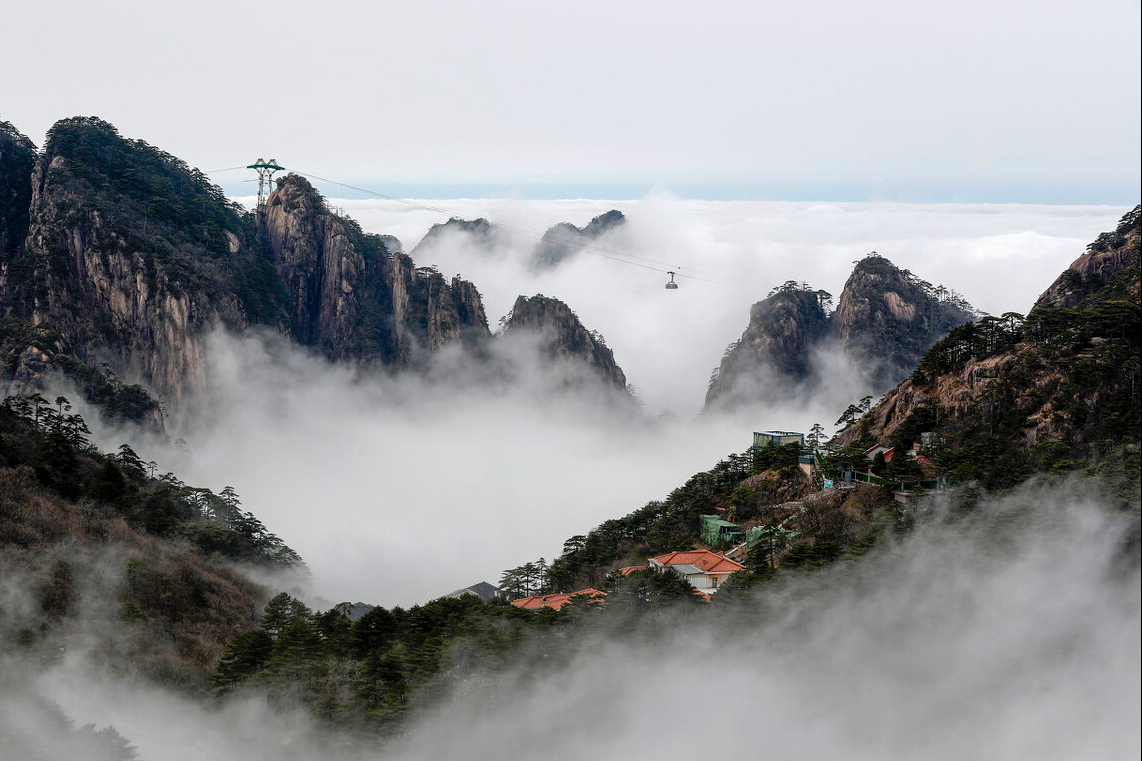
<point x="886" y="319"/>
<point x="563" y="339"/>
<point x="775" y="350"/>
<point x="563" y="241"/>
<point x="1103" y="260"/>
<point x="1051" y="389"/>
<point x="129" y="258"/>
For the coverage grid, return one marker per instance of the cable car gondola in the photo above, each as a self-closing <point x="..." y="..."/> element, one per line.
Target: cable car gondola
<point x="671" y="286"/>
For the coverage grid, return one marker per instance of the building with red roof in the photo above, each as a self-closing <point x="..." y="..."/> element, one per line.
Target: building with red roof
<point x="705" y="570"/>
<point x="627" y="570"/>
<point x="555" y="601"/>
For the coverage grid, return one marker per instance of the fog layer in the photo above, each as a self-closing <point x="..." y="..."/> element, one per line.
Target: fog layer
<point x="1013" y="634"/>
<point x="730" y="255"/>
<point x="397" y="490"/>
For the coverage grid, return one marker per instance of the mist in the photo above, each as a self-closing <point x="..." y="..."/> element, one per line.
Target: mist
<point x="730" y="255"/>
<point x="399" y="489"/>
<point x="1010" y="633"/>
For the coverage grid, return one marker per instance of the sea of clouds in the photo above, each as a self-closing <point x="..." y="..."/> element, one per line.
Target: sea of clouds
<point x="398" y="489"/>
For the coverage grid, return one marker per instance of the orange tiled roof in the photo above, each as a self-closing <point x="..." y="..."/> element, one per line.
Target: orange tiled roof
<point x="628" y="570"/>
<point x="556" y="600"/>
<point x="709" y="562"/>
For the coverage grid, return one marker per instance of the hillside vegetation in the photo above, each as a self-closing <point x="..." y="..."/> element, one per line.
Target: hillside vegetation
<point x="1008" y="396"/>
<point x="373" y="673"/>
<point x="142" y="572"/>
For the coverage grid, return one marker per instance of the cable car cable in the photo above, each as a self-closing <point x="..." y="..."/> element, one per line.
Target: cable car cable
<point x="606" y="253"/>
<point x="617" y="256"/>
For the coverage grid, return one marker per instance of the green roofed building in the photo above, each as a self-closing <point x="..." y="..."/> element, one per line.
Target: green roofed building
<point x="777" y="438"/>
<point x="718" y="533"/>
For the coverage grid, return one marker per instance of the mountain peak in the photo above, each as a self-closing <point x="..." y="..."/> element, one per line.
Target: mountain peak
<point x="886" y="318"/>
<point x="563" y="240"/>
<point x="564" y="338"/>
<point x="1102" y="260"/>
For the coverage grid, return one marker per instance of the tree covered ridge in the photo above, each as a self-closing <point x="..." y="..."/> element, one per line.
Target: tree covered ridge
<point x="104" y="559"/>
<point x="1008" y="396"/>
<point x="52" y="442"/>
<point x="372" y="674"/>
<point x="17" y="160"/>
<point x="163" y="187"/>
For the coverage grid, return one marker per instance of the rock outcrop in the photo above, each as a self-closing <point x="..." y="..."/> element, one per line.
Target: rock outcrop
<point x="130" y="256"/>
<point x="564" y="240"/>
<point x="1107" y="256"/>
<point x="774" y="351"/>
<point x="1007" y="396"/>
<point x="351" y="298"/>
<point x="885" y="321"/>
<point x="477" y="236"/>
<point x="124" y="255"/>
<point x="887" y="318"/>
<point x="563" y="339"/>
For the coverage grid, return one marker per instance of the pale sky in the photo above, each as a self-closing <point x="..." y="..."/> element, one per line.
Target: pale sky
<point x="826" y="100"/>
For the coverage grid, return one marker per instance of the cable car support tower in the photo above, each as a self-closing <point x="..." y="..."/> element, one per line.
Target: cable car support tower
<point x="265" y="170"/>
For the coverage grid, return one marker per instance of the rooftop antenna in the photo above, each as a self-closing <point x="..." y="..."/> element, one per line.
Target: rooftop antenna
<point x="265" y="170"/>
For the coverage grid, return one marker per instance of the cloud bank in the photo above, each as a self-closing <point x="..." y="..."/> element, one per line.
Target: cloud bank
<point x="1013" y="633"/>
<point x="400" y="489"/>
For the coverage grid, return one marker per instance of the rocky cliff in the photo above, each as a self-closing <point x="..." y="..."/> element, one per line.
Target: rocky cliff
<point x="774" y="351"/>
<point x="130" y="256"/>
<point x="563" y="339"/>
<point x="351" y="298"/>
<point x="885" y="320"/>
<point x="474" y="235"/>
<point x="1005" y="396"/>
<point x="1087" y="277"/>
<point x="117" y="259"/>
<point x="565" y="239"/>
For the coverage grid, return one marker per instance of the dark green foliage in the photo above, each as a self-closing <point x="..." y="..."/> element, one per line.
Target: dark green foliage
<point x="17" y="159"/>
<point x="1129" y="223"/>
<point x="118" y="401"/>
<point x="52" y="441"/>
<point x="245" y="656"/>
<point x="57" y="594"/>
<point x="158" y="184"/>
<point x="644" y="589"/>
<point x="920" y="420"/>
<point x="774" y="456"/>
<point x="808" y="555"/>
<point x="383" y="663"/>
<point x="878" y="464"/>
